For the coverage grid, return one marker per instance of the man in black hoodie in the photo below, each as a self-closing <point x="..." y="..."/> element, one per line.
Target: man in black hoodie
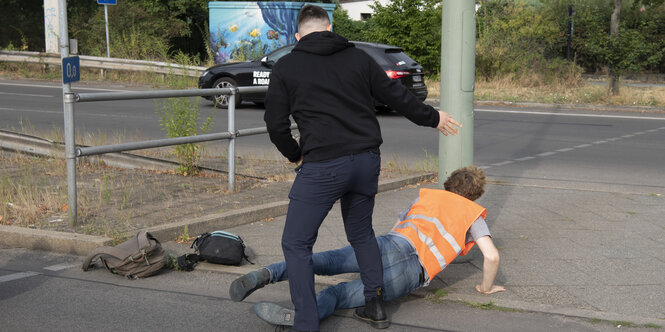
<point x="328" y="86"/>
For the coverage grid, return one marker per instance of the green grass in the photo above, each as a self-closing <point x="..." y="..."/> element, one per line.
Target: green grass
<point x="490" y="306"/>
<point x="437" y="295"/>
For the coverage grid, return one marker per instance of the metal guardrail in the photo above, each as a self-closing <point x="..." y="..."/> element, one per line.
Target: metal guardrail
<point x="72" y="152"/>
<point x="103" y="63"/>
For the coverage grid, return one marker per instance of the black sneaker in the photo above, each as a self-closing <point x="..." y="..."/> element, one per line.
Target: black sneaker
<point x="373" y="313"/>
<point x="247" y="284"/>
<point x="274" y="313"/>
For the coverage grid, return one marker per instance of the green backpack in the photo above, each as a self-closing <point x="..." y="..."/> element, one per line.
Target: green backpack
<point x="138" y="257"/>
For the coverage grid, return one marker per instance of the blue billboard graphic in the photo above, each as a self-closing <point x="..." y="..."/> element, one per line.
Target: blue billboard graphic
<point x="244" y="31"/>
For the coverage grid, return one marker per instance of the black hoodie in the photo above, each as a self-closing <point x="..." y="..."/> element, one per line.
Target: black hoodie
<point x="329" y="87"/>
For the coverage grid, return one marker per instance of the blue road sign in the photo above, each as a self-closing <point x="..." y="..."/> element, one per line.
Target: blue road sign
<point x="71" y="69"/>
<point x="107" y="2"/>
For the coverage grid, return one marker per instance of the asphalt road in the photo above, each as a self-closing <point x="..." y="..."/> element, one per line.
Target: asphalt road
<point x="595" y="150"/>
<point x="45" y="291"/>
<point x="42" y="291"/>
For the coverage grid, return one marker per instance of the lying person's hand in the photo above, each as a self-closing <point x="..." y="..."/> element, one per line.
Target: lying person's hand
<point x="494" y="289"/>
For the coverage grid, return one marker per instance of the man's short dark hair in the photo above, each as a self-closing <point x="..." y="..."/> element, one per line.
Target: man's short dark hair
<point x="467" y="181"/>
<point x="311" y="12"/>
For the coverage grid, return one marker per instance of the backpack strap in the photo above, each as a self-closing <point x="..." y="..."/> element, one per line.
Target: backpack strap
<point x="104" y="253"/>
<point x="246" y="257"/>
<point x="121" y="252"/>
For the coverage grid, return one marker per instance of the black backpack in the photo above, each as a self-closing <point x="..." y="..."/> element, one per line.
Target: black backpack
<point x="138" y="257"/>
<point x="218" y="247"/>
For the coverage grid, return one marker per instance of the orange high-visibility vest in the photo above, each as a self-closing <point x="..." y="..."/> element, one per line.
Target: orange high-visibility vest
<point x="437" y="224"/>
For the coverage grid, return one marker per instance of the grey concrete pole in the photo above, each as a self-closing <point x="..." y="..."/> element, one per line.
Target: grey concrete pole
<point x="68" y="112"/>
<point x="232" y="142"/>
<point x="458" y="53"/>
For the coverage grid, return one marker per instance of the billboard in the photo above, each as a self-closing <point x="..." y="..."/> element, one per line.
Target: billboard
<point x="244" y="31"/>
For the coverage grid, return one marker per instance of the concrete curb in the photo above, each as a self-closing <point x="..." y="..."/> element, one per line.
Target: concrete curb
<point x="581" y="107"/>
<point x="79" y="244"/>
<point x="43" y="147"/>
<point x="565" y="107"/>
<point x="549" y="309"/>
<point x="68" y="243"/>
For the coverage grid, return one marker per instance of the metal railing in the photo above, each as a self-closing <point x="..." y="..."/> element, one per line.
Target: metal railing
<point x="72" y="152"/>
<point x="103" y="63"/>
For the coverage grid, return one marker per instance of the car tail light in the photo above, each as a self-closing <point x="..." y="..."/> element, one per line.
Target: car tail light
<point x="397" y="74"/>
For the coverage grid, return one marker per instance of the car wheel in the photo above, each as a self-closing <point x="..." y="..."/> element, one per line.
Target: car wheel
<point x="222" y="101"/>
<point x="260" y="104"/>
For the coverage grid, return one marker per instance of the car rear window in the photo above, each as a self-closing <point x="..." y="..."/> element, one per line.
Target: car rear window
<point x="399" y="58"/>
<point x="390" y="57"/>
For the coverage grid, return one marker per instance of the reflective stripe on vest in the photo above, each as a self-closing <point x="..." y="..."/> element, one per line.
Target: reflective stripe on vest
<point x="436" y="226"/>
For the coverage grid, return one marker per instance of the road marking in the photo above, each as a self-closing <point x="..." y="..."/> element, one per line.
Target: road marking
<point x="60" y="87"/>
<point x="79" y="114"/>
<point x="503" y="163"/>
<point x="15" y="276"/>
<point x="525" y="158"/>
<point x="26" y="95"/>
<point x="59" y="267"/>
<point x="576" y="114"/>
<point x="581" y="146"/>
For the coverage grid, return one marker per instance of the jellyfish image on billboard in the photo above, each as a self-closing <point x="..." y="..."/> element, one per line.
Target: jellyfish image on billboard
<point x="245" y="31"/>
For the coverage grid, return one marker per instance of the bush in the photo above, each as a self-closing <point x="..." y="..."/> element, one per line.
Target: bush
<point x="343" y="25"/>
<point x="515" y="38"/>
<point x="414" y="25"/>
<point x="179" y="118"/>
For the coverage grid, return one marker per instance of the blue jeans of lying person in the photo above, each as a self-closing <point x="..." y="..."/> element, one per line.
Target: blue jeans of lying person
<point x="402" y="274"/>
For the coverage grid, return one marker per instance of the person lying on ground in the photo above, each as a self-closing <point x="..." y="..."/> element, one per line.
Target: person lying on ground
<point x="437" y="227"/>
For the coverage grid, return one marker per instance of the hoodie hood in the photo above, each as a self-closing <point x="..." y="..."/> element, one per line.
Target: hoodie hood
<point x="322" y="43"/>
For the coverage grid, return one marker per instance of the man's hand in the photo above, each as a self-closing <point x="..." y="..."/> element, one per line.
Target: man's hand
<point x="447" y="125"/>
<point x="492" y="290"/>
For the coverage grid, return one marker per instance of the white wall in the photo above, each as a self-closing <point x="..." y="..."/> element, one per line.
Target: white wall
<point x="355" y="8"/>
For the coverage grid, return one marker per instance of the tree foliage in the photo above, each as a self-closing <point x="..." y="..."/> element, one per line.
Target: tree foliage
<point x="514" y="36"/>
<point x="414" y="25"/>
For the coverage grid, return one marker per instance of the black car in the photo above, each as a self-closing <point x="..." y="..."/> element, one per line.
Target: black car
<point x="392" y="59"/>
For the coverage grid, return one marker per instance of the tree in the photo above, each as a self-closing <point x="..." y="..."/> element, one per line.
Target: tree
<point x="414" y="25"/>
<point x="614" y="31"/>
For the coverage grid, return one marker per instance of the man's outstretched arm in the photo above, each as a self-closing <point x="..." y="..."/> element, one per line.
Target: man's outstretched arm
<point x="490" y="266"/>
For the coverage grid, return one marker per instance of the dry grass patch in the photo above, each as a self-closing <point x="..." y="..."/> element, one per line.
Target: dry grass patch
<point x="534" y="89"/>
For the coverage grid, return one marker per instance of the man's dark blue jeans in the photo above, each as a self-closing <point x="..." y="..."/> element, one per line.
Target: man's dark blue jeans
<point x="402" y="274"/>
<point x="353" y="180"/>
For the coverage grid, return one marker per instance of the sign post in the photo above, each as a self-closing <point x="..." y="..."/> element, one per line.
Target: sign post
<point x="106" y="21"/>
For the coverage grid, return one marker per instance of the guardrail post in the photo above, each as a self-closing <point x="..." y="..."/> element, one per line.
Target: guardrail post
<point x="232" y="142"/>
<point x="70" y="156"/>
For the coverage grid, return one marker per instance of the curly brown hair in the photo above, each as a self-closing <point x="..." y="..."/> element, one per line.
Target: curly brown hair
<point x="467" y="181"/>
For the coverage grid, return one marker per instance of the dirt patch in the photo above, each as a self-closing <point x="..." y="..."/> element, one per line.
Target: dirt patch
<point x="113" y="202"/>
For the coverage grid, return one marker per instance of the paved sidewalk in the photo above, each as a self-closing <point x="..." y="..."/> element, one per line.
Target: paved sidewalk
<point x="580" y="253"/>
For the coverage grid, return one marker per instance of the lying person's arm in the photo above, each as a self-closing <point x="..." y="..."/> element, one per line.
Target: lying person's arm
<point x="490" y="266"/>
